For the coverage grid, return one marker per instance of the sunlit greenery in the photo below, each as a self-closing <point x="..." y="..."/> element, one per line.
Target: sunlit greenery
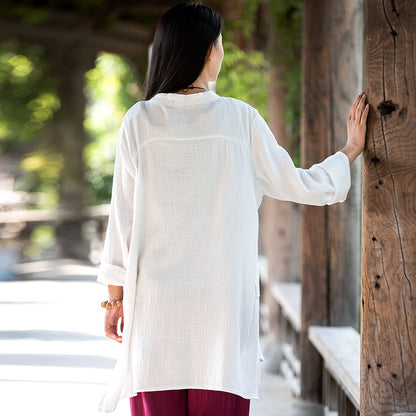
<point x="41" y="237"/>
<point x="287" y="18"/>
<point x="288" y="27"/>
<point x="28" y="104"/>
<point x="111" y="88"/>
<point x="28" y="100"/>
<point x="244" y="75"/>
<point x="43" y="168"/>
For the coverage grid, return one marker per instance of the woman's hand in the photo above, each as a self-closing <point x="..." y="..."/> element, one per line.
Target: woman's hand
<point x="112" y="317"/>
<point x="356" y="128"/>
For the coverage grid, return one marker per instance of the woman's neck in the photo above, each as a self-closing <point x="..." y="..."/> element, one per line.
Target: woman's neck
<point x="199" y="85"/>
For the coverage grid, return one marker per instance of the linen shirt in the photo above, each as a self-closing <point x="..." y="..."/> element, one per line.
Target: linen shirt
<point x="190" y="173"/>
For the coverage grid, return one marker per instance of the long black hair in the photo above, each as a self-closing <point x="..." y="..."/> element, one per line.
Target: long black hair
<point x="180" y="46"/>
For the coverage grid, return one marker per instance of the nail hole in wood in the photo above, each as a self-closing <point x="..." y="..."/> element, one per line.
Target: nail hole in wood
<point x="386" y="107"/>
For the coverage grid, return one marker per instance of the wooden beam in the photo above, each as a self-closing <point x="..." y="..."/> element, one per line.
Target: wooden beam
<point x="121" y="40"/>
<point x="388" y="269"/>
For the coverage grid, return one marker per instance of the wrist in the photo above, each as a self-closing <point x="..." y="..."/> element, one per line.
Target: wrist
<point x="351" y="151"/>
<point x="115" y="293"/>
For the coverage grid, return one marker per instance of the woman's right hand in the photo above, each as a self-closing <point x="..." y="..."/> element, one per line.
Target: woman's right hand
<point x="112" y="317"/>
<point x="356" y="128"/>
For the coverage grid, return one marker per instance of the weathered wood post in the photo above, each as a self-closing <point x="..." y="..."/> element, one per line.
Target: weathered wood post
<point x="388" y="270"/>
<point x="332" y="66"/>
<point x="279" y="219"/>
<point x="77" y="55"/>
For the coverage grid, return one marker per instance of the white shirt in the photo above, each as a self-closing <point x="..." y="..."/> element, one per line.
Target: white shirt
<point x="190" y="174"/>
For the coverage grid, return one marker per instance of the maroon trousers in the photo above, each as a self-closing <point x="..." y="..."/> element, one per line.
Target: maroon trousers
<point x="189" y="402"/>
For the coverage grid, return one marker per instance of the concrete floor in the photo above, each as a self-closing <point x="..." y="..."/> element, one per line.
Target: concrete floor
<point x="54" y="358"/>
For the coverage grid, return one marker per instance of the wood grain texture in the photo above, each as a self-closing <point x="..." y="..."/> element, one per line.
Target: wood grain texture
<point x="332" y="64"/>
<point x="340" y="349"/>
<point x="315" y="122"/>
<point x="388" y="341"/>
<point x="346" y="50"/>
<point x="280" y="219"/>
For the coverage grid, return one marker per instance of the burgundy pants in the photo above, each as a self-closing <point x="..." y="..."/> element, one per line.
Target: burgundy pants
<point x="190" y="402"/>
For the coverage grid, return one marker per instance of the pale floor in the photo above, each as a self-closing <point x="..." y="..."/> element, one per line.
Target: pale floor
<point x="54" y="359"/>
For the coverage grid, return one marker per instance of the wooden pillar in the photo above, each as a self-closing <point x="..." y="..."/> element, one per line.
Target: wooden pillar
<point x="233" y="13"/>
<point x="388" y="269"/>
<point x="279" y="219"/>
<point x="332" y="62"/>
<point x="344" y="220"/>
<point x="70" y="61"/>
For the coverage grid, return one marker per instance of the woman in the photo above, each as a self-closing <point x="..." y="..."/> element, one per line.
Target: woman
<point x="181" y="246"/>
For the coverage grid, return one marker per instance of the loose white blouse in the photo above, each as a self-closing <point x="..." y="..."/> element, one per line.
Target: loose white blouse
<point x="190" y="174"/>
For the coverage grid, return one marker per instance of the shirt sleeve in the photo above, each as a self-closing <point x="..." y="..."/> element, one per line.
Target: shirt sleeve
<point x="324" y="183"/>
<point x="112" y="270"/>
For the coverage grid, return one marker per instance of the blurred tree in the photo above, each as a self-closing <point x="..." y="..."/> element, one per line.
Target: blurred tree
<point x="28" y="104"/>
<point x="72" y="33"/>
<point x="111" y="87"/>
<point x="244" y="75"/>
<point x="28" y="98"/>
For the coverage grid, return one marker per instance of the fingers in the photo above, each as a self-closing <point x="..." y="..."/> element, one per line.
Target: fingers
<point x="354" y="107"/>
<point x="357" y="100"/>
<point x="360" y="106"/>
<point x="364" y="115"/>
<point x="113" y="335"/>
<point x="110" y="330"/>
<point x="110" y="327"/>
<point x="356" y="110"/>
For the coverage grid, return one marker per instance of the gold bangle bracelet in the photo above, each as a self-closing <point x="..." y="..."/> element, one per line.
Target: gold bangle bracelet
<point x="108" y="305"/>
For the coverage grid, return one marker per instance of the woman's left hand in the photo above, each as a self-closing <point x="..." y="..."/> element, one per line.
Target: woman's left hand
<point x="356" y="128"/>
<point x="112" y="317"/>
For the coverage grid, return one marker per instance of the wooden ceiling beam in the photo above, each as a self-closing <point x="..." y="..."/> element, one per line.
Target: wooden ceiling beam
<point x="117" y="41"/>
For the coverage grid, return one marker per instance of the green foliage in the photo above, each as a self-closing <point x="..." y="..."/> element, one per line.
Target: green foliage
<point x="41" y="238"/>
<point x="28" y="99"/>
<point x="244" y="75"/>
<point x="288" y="26"/>
<point x="112" y="88"/>
<point x="43" y="169"/>
<point x="248" y="21"/>
<point x="287" y="16"/>
<point x="286" y="53"/>
<point x="28" y="104"/>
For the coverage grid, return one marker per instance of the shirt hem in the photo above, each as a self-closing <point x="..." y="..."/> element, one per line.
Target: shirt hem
<point x="198" y="387"/>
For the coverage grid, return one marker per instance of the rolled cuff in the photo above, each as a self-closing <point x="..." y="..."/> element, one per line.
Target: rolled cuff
<point x="338" y="168"/>
<point x="110" y="274"/>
